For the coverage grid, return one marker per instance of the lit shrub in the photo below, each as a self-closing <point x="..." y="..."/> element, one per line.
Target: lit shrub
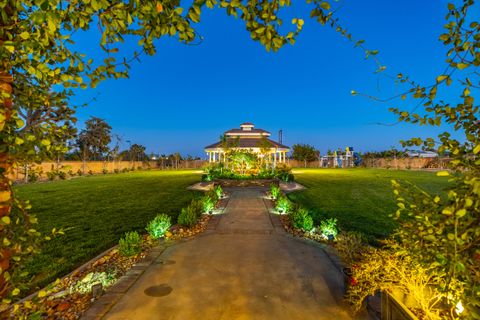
<point x="219" y="191"/>
<point x="188" y="217"/>
<point x="158" y="226"/>
<point x="116" y="171"/>
<point x="328" y="228"/>
<point x="208" y="203"/>
<point x="130" y="245"/>
<point x="85" y="285"/>
<point x="104" y="171"/>
<point x="90" y="172"/>
<point x="274" y="190"/>
<point x="349" y="246"/>
<point x="283" y="204"/>
<point x="301" y="219"/>
<point x="79" y="172"/>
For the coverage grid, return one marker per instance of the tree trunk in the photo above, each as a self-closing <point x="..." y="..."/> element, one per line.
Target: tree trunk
<point x="25" y="179"/>
<point x="6" y="166"/>
<point x="305" y="162"/>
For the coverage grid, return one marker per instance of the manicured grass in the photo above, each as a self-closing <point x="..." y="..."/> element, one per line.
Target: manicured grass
<point x="97" y="211"/>
<point x="361" y="199"/>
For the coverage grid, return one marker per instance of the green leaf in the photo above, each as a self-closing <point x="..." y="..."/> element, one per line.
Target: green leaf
<point x="476" y="149"/>
<point x="460" y="213"/>
<point x="6" y="220"/>
<point x="441" y="78"/>
<point x="325" y="5"/>
<point x="24" y="35"/>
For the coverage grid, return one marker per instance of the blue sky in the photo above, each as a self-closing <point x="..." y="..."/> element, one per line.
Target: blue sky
<point x="184" y="97"/>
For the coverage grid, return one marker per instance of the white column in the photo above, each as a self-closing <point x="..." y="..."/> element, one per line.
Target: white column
<point x="209" y="157"/>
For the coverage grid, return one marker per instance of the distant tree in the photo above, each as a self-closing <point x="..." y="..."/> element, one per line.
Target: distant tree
<point x="137" y="152"/>
<point x="304" y="152"/>
<point x="93" y="141"/>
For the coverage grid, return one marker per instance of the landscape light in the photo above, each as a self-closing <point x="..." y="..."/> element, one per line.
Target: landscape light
<point x="459" y="307"/>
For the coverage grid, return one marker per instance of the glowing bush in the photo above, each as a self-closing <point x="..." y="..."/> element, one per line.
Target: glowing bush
<point x="219" y="191"/>
<point x="188" y="217"/>
<point x="130" y="245"/>
<point x="85" y="285"/>
<point x="274" y="190"/>
<point x="208" y="204"/>
<point x="301" y="219"/>
<point x="283" y="205"/>
<point x="328" y="228"/>
<point x="158" y="226"/>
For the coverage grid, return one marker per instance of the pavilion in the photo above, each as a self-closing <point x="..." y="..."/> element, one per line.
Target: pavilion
<point x="247" y="138"/>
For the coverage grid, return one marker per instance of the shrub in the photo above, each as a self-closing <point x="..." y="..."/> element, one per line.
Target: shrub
<point x="208" y="204"/>
<point x="219" y="191"/>
<point x="188" y="217"/>
<point x="274" y="190"/>
<point x="328" y="228"/>
<point x="116" y="171"/>
<point x="283" y="172"/>
<point x="130" y="245"/>
<point x="85" y="285"/>
<point x="139" y="168"/>
<point x="62" y="175"/>
<point x="197" y="206"/>
<point x="51" y="175"/>
<point x="125" y="170"/>
<point x="283" y="204"/>
<point x="206" y="177"/>
<point x="33" y="176"/>
<point x="71" y="173"/>
<point x="90" y="172"/>
<point x="301" y="219"/>
<point x="104" y="171"/>
<point x="79" y="172"/>
<point x="158" y="226"/>
<point x="349" y="246"/>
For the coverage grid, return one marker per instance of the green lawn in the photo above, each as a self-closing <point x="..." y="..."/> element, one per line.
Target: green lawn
<point x="361" y="199"/>
<point x="99" y="210"/>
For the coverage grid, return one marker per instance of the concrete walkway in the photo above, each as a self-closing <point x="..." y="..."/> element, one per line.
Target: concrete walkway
<point x="244" y="267"/>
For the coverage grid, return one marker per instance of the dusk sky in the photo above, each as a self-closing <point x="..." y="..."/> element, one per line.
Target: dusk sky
<point x="184" y="97"/>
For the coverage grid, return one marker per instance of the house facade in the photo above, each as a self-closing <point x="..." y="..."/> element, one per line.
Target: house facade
<point x="247" y="138"/>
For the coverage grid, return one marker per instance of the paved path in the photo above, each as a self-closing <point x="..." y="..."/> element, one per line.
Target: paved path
<point x="244" y="267"/>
